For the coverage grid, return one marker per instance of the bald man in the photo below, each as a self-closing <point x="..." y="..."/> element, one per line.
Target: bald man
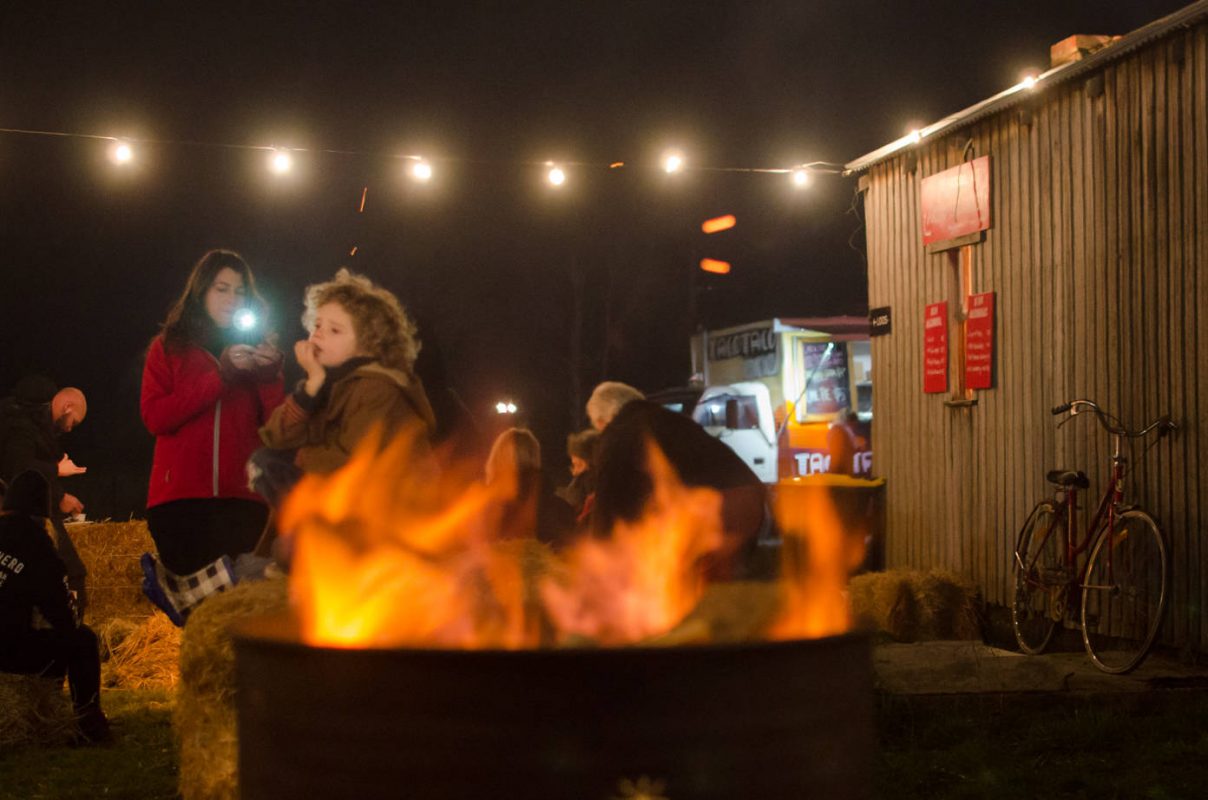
<point x="31" y="420"/>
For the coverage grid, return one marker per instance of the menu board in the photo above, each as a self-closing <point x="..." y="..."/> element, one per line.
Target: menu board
<point x="979" y="346"/>
<point x="827" y="379"/>
<point x="935" y="348"/>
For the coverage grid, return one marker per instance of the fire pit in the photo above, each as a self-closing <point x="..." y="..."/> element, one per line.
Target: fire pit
<point x="763" y="720"/>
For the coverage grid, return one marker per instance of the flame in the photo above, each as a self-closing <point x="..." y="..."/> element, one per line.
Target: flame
<point x="391" y="551"/>
<point x="402" y="548"/>
<point x="817" y="557"/>
<point x="646" y="576"/>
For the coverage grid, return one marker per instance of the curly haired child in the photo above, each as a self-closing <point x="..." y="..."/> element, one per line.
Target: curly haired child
<point x="359" y="362"/>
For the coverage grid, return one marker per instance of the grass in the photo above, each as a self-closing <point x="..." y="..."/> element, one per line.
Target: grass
<point x="1000" y="749"/>
<point x="140" y="763"/>
<point x="977" y="748"/>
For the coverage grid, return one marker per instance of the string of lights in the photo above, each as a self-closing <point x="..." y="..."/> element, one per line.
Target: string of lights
<point x="123" y="151"/>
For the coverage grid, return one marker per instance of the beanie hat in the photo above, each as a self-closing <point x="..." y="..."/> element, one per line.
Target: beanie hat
<point x="29" y="493"/>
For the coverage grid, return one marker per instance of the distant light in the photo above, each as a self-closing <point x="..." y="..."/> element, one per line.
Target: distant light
<point x="916" y="136"/>
<point x="505" y="407"/>
<point x="245" y="319"/>
<point x="616" y="165"/>
<point x="1029" y="82"/>
<point x="421" y="171"/>
<point x="715" y="266"/>
<point x="122" y="153"/>
<point x="673" y="162"/>
<point x="556" y="176"/>
<point x="801" y="177"/>
<point x="280" y="162"/>
<point x="718" y="224"/>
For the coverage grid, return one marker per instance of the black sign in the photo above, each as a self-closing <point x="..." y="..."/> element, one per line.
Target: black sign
<point x="744" y="344"/>
<point x="879" y="321"/>
<point x="827" y="378"/>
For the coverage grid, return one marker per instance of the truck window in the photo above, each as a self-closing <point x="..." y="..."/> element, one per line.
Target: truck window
<point x="711" y="413"/>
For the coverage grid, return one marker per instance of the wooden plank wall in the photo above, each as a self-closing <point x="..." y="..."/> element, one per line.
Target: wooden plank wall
<point x="1099" y="258"/>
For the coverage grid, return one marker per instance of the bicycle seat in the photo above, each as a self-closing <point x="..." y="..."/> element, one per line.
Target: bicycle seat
<point x="1067" y="477"/>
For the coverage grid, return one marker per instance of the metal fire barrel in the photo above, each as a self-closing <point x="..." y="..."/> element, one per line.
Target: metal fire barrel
<point x="765" y="721"/>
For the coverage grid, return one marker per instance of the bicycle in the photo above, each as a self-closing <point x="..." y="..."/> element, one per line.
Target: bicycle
<point x="1120" y="591"/>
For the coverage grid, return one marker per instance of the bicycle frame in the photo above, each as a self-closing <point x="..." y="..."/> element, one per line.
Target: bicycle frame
<point x="1103" y="518"/>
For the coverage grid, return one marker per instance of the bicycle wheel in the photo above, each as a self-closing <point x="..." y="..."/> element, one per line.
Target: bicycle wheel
<point x="1124" y="593"/>
<point x="1040" y="579"/>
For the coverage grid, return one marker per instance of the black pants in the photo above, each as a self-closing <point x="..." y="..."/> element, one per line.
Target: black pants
<point x="192" y="533"/>
<point x="55" y="653"/>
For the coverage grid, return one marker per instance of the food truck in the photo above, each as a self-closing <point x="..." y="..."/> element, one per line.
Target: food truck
<point x="772" y="390"/>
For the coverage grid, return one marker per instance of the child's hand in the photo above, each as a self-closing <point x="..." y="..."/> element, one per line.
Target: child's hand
<point x="304" y="351"/>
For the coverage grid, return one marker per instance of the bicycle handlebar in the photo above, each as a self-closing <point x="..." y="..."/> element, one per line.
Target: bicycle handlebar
<point x="1163" y="423"/>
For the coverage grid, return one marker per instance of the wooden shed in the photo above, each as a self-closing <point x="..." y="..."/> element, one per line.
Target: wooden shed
<point x="1083" y="226"/>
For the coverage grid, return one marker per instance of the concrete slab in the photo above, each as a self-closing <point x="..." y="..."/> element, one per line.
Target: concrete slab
<point x="971" y="667"/>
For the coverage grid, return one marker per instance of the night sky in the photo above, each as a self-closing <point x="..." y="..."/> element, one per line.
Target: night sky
<point x="486" y="256"/>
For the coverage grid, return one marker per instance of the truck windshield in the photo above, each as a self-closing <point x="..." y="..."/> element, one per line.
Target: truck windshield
<point x="711" y="413"/>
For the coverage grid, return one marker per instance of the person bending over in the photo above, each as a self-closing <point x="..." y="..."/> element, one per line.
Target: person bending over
<point x="31" y="422"/>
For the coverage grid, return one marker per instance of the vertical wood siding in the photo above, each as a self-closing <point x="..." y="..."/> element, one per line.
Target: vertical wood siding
<point x="1099" y="258"/>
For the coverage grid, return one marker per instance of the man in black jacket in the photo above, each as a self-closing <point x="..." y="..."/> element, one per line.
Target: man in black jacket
<point x="40" y="633"/>
<point x="31" y="421"/>
<point x="624" y="485"/>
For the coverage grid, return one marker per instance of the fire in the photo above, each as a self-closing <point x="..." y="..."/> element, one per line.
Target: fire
<point x="398" y="549"/>
<point x="391" y="551"/>
<point x="646" y="576"/>
<point x="816" y="560"/>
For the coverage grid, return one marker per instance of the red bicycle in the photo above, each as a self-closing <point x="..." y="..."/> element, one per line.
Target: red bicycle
<point x="1120" y="592"/>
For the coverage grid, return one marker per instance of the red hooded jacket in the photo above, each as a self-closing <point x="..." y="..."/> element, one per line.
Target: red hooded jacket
<point x="205" y="428"/>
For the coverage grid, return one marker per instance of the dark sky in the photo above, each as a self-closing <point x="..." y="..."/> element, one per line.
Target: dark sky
<point x="485" y="256"/>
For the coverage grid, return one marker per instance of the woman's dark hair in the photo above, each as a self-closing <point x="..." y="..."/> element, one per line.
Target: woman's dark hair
<point x="187" y="322"/>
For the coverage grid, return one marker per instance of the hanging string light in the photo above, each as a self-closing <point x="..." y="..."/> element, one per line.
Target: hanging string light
<point x="121" y="153"/>
<point x="421" y="171"/>
<point x="280" y="161"/>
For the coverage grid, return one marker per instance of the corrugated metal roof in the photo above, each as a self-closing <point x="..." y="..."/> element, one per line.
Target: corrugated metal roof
<point x="1184" y="17"/>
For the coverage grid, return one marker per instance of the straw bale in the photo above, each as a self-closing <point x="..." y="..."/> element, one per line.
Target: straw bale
<point x="140" y="655"/>
<point x="204" y="717"/>
<point x="738" y="611"/>
<point x="34" y="711"/>
<point x="110" y="551"/>
<point x="207" y="654"/>
<point x="949" y="606"/>
<point x="914" y="606"/>
<point x="209" y="748"/>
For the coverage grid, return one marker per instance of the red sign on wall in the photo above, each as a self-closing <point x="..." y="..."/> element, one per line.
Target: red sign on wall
<point x="979" y="342"/>
<point x="956" y="202"/>
<point x="935" y="348"/>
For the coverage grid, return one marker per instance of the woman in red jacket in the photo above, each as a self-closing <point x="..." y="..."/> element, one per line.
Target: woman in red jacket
<point x="204" y="396"/>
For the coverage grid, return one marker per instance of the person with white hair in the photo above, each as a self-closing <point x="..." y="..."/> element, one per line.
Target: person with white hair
<point x="607" y="400"/>
<point x="628" y="424"/>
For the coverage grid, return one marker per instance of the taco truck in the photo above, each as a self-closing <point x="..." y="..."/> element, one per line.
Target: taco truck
<point x="773" y="389"/>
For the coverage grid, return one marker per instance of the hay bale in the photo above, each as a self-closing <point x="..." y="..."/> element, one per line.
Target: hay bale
<point x="885" y="601"/>
<point x="140" y="655"/>
<point x="110" y="551"/>
<point x="913" y="606"/>
<point x="34" y="711"/>
<point x="204" y="717"/>
<point x="738" y="611"/>
<point x="949" y="606"/>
